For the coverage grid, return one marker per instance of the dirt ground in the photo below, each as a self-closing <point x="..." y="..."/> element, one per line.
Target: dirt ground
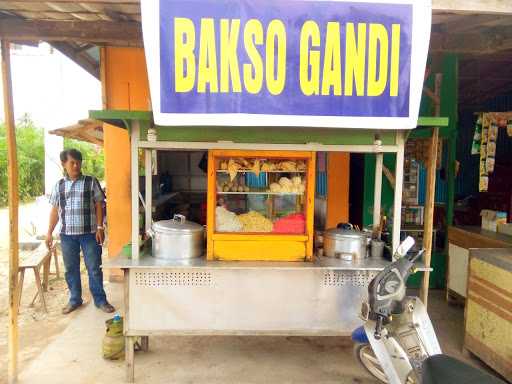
<point x="66" y="349"/>
<point x="36" y="328"/>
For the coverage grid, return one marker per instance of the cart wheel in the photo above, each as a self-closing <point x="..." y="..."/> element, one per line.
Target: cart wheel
<point x="364" y="354"/>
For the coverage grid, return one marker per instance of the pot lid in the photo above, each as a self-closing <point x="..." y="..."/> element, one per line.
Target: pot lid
<point x="338" y="233"/>
<point x="179" y="224"/>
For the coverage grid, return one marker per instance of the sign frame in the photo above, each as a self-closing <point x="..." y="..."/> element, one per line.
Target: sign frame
<point x="421" y="25"/>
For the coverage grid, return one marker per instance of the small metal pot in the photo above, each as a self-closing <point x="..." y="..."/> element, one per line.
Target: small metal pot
<point x="345" y="244"/>
<point x="177" y="239"/>
<point x="377" y="248"/>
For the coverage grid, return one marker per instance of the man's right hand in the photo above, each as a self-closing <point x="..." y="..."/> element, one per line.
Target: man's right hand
<point x="49" y="240"/>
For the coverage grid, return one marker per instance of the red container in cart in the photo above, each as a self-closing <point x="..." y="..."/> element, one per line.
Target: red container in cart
<point x="295" y="223"/>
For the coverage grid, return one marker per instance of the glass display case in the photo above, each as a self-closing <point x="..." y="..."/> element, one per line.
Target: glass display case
<point x="260" y="205"/>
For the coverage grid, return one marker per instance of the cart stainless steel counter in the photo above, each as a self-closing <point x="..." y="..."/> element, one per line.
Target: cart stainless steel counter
<point x="199" y="297"/>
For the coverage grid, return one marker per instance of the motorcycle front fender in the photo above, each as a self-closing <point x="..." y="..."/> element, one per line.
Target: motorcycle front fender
<point x="392" y="358"/>
<point x="359" y="336"/>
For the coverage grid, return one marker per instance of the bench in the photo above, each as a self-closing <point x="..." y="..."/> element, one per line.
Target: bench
<point x="35" y="259"/>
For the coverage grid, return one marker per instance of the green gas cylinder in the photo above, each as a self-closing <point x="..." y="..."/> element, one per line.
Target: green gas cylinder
<point x="113" y="341"/>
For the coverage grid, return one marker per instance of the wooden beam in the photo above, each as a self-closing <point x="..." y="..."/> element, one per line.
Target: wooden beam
<point x="484" y="42"/>
<point x="430" y="196"/>
<point x="12" y="187"/>
<point x="438" y="6"/>
<point x="473" y="22"/>
<point x="116" y="2"/>
<point x="81" y="58"/>
<point x="482" y="91"/>
<point x="472" y="6"/>
<point x="118" y="33"/>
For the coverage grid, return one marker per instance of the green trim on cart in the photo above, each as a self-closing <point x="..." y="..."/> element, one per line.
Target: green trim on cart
<point x="433" y="121"/>
<point x="273" y="135"/>
<point x="120" y="118"/>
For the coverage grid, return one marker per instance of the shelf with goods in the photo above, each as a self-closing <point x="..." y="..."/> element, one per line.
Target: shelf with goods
<point x="260" y="205"/>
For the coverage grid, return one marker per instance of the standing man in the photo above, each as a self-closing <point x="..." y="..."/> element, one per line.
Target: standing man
<point x="76" y="202"/>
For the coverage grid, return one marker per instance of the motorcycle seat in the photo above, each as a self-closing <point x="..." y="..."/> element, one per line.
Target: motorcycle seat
<point x="443" y="369"/>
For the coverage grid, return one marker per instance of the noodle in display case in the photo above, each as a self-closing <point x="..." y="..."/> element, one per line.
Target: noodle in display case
<point x="260" y="205"/>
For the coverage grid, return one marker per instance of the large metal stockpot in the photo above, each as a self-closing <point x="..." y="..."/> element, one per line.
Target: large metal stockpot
<point x="345" y="244"/>
<point x="177" y="239"/>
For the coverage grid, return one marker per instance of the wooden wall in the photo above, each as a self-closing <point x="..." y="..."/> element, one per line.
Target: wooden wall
<point x="125" y="87"/>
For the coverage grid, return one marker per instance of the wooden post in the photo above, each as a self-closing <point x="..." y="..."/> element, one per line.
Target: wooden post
<point x="452" y="149"/>
<point x="129" y="357"/>
<point x="12" y="187"/>
<point x="430" y="196"/>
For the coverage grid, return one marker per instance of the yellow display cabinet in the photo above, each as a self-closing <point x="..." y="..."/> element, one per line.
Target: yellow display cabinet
<point x="260" y="205"/>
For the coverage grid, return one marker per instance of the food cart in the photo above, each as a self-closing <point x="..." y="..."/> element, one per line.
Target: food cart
<point x="318" y="296"/>
<point x="258" y="277"/>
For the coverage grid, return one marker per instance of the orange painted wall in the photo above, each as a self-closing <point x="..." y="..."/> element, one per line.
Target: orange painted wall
<point x="338" y="181"/>
<point x="125" y="86"/>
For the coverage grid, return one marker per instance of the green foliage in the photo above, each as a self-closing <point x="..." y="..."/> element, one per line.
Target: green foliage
<point x="93" y="162"/>
<point x="30" y="153"/>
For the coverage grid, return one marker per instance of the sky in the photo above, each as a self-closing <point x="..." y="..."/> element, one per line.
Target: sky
<point x="51" y="88"/>
<point x="55" y="92"/>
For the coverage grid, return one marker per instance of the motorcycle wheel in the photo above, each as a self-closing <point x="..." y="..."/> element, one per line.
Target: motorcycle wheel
<point x="365" y="356"/>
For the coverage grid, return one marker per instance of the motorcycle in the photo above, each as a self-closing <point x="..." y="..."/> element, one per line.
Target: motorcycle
<point x="397" y="343"/>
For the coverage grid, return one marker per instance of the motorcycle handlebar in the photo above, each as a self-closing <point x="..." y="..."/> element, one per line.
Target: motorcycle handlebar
<point x="415" y="257"/>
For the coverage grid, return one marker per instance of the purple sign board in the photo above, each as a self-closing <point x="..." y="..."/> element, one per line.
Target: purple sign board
<point x="339" y="64"/>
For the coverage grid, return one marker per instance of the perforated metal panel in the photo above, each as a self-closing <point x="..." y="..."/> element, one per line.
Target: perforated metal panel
<point x="352" y="278"/>
<point x="168" y="279"/>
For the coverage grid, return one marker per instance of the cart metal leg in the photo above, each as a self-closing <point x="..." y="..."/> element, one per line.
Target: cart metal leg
<point x="144" y="343"/>
<point x="129" y="358"/>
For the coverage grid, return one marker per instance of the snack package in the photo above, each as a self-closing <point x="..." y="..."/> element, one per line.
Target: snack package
<point x="484" y="184"/>
<point x="483" y="151"/>
<point x="489" y="164"/>
<point x="483" y="168"/>
<point x="477" y="137"/>
<point x="493" y="132"/>
<point x="491" y="148"/>
<point x="485" y="134"/>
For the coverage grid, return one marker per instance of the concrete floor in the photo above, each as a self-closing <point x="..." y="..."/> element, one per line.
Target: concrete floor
<point x="75" y="355"/>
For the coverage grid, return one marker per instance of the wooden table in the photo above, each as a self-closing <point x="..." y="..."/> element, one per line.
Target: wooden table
<point x="488" y="314"/>
<point x="460" y="241"/>
<point x="40" y="257"/>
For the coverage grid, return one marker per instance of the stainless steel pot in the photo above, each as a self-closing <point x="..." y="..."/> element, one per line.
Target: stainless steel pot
<point x="177" y="239"/>
<point x="345" y="244"/>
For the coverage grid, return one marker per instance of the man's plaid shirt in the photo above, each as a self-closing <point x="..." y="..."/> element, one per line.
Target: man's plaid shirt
<point x="76" y="203"/>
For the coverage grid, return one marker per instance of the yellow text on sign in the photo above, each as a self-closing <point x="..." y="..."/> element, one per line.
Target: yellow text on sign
<point x="360" y="59"/>
<point x="370" y="59"/>
<point x="205" y="73"/>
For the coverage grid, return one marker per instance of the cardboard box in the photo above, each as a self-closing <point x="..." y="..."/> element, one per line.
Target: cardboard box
<point x="491" y="219"/>
<point x="505" y="229"/>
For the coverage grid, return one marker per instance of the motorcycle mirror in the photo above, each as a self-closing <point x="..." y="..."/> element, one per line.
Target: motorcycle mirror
<point x="405" y="246"/>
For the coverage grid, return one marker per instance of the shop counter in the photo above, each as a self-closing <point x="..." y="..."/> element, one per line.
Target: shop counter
<point x="460" y="241"/>
<point x="488" y="317"/>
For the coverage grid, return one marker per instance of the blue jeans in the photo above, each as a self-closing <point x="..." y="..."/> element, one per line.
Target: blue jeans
<point x="91" y="250"/>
